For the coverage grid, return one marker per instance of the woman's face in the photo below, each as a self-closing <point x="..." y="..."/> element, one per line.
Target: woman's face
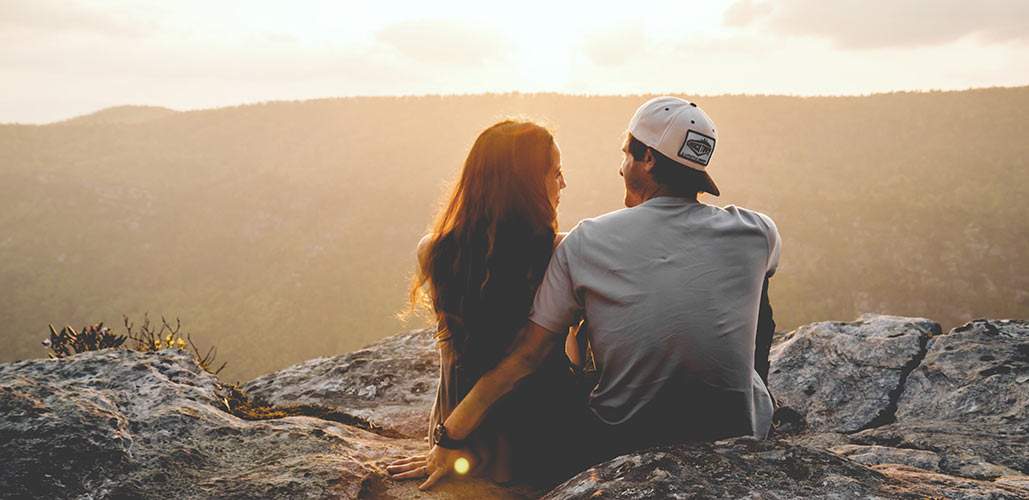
<point x="555" y="177"/>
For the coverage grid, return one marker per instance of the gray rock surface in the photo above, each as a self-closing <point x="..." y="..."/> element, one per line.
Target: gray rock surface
<point x="119" y="423"/>
<point x="747" y="468"/>
<point x="926" y="484"/>
<point x="967" y="402"/>
<point x="392" y="383"/>
<point x="877" y="455"/>
<point x="844" y="377"/>
<point x="123" y="424"/>
<point x="977" y="373"/>
<point x="968" y="451"/>
<point x="960" y="412"/>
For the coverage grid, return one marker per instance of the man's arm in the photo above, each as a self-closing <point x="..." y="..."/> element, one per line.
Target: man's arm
<point x="531" y="347"/>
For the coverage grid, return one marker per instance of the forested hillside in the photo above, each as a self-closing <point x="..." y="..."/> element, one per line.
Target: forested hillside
<point x="286" y="230"/>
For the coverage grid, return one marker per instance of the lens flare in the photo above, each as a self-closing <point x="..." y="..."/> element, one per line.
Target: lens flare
<point x="461" y="465"/>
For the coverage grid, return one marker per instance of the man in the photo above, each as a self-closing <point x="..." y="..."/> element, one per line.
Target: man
<point x="671" y="290"/>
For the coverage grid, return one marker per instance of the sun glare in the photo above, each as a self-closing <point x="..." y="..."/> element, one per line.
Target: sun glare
<point x="461" y="466"/>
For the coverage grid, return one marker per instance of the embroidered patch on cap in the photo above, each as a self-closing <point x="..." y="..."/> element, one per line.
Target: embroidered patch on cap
<point x="697" y="147"/>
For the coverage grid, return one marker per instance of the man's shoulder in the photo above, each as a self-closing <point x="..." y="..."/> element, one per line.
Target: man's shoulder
<point x="750" y="216"/>
<point x="600" y="223"/>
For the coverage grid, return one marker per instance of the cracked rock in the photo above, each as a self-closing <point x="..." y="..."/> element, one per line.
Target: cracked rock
<point x="843" y="377"/>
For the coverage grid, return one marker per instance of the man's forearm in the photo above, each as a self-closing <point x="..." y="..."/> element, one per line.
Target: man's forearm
<point x="531" y="348"/>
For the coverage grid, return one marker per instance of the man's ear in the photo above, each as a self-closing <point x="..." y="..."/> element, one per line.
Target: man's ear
<point x="648" y="160"/>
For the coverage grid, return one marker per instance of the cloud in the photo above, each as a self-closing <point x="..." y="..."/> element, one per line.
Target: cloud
<point x="52" y="16"/>
<point x="872" y="24"/>
<point x="444" y="42"/>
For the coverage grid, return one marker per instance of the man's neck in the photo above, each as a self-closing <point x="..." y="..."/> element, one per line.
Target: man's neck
<point x="661" y="191"/>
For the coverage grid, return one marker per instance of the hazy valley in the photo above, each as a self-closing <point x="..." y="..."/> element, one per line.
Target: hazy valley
<point x="285" y="231"/>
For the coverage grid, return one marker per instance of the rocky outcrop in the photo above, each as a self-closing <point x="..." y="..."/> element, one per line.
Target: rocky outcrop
<point x="896" y="410"/>
<point x="966" y="405"/>
<point x="975" y="374"/>
<point x="949" y="447"/>
<point x="747" y="468"/>
<point x="846" y="377"/>
<point x="123" y="424"/>
<point x="391" y="384"/>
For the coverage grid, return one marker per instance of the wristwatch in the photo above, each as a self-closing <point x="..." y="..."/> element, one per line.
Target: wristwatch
<point x="439" y="435"/>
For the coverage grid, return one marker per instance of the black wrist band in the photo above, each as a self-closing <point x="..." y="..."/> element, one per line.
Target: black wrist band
<point x="443" y="440"/>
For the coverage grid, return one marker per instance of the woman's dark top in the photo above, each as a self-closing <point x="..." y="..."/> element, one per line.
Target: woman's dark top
<point x="521" y="436"/>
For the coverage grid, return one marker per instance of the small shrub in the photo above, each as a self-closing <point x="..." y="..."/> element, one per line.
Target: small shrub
<point x="92" y="338"/>
<point x="147" y="338"/>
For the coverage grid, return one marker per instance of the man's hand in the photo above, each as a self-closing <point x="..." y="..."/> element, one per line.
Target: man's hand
<point x="532" y="345"/>
<point x="407" y="468"/>
<point x="437" y="464"/>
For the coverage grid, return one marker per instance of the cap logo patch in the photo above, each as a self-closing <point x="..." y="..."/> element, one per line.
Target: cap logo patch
<point x="697" y="147"/>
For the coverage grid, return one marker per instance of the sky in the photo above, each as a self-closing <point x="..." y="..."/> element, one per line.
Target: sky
<point x="66" y="58"/>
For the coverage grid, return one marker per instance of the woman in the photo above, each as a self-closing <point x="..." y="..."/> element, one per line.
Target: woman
<point x="481" y="266"/>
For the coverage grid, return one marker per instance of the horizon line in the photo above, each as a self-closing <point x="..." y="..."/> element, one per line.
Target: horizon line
<point x="513" y="93"/>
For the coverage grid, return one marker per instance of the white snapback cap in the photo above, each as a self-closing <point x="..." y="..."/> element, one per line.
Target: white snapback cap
<point x="678" y="129"/>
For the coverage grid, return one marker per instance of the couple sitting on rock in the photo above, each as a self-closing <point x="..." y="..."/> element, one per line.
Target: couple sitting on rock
<point x="661" y="307"/>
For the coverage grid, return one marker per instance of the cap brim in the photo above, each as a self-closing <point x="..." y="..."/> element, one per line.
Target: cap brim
<point x="710" y="187"/>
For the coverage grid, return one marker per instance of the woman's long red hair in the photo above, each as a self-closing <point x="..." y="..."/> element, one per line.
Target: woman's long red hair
<point x="492" y="242"/>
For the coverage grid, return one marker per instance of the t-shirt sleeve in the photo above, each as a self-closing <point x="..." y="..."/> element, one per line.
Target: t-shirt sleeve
<point x="774" y="244"/>
<point x="557" y="306"/>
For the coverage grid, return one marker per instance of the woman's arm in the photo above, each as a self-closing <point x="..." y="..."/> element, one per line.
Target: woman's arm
<point x="423" y="252"/>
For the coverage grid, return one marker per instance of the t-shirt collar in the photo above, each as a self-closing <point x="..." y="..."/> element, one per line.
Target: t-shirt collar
<point x="669" y="201"/>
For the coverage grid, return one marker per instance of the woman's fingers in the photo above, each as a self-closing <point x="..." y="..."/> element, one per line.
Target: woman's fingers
<point x="419" y="472"/>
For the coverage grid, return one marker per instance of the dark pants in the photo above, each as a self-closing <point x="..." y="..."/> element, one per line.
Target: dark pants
<point x="678" y="415"/>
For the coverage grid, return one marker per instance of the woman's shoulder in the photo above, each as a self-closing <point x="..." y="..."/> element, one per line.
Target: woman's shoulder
<point x="423" y="244"/>
<point x="423" y="249"/>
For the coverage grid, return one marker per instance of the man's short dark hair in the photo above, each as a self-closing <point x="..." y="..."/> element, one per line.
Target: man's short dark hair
<point x="674" y="176"/>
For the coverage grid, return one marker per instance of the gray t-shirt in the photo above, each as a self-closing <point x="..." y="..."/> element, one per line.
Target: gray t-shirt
<point x="670" y="291"/>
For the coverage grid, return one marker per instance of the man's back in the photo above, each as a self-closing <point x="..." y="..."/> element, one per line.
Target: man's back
<point x="670" y="290"/>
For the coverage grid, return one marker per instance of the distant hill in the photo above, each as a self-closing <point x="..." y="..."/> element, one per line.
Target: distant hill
<point x="283" y="231"/>
<point x="120" y="115"/>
